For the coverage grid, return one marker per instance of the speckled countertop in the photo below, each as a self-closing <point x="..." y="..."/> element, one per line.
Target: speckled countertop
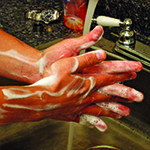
<point x="14" y="22"/>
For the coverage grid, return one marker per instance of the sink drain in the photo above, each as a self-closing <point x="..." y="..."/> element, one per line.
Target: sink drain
<point x="103" y="147"/>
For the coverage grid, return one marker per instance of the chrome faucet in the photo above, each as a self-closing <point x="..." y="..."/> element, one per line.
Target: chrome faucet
<point x="127" y="35"/>
<point x="128" y="46"/>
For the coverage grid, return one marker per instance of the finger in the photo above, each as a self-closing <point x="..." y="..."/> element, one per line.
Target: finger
<point x="99" y="96"/>
<point x="96" y="81"/>
<point x="75" y="64"/>
<point x="90" y="38"/>
<point x="90" y="59"/>
<point x="72" y="47"/>
<point x="94" y="121"/>
<point x="108" y="79"/>
<point x="96" y="110"/>
<point x="115" y="107"/>
<point x="114" y="67"/>
<point x="123" y="91"/>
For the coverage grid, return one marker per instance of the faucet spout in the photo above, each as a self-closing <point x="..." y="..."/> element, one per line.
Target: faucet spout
<point x="88" y="19"/>
<point x="89" y="15"/>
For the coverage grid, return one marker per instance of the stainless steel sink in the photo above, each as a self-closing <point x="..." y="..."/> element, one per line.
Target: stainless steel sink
<point x="53" y="135"/>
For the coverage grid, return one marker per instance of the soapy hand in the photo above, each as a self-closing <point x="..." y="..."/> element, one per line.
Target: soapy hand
<point x="73" y="88"/>
<point x="69" y="90"/>
<point x="71" y="47"/>
<point x="102" y="89"/>
<point x="117" y="92"/>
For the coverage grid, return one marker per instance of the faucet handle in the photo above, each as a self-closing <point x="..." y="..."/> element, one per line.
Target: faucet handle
<point x="127" y="22"/>
<point x="108" y="21"/>
<point x="127" y="35"/>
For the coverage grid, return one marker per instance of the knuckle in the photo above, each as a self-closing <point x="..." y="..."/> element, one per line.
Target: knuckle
<point x="112" y="79"/>
<point x="88" y="59"/>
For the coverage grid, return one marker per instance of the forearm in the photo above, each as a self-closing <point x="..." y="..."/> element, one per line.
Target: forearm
<point x="22" y="62"/>
<point x="18" y="60"/>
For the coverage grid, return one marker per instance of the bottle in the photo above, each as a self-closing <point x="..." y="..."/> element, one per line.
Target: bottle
<point x="74" y="14"/>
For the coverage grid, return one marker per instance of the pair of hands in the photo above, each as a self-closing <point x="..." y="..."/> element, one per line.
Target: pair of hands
<point x="83" y="88"/>
<point x="65" y="86"/>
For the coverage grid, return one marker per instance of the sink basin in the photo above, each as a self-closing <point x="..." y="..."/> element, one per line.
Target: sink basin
<point x="53" y="135"/>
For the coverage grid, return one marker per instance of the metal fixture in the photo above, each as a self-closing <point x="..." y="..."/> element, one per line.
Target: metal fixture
<point x="127" y="45"/>
<point x="46" y="15"/>
<point x="127" y="35"/>
<point x="103" y="147"/>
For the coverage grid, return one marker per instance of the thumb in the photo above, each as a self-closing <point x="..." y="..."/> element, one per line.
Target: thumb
<point x="90" y="121"/>
<point x="75" y="64"/>
<point x="88" y="59"/>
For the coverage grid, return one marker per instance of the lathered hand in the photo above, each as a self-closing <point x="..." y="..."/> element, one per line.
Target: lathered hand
<point x="71" y="47"/>
<point x="73" y="89"/>
<point x="115" y="92"/>
<point x="27" y="64"/>
<point x="68" y="90"/>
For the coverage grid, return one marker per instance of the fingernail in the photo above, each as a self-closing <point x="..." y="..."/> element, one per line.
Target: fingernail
<point x="139" y="66"/>
<point x="133" y="75"/>
<point x="118" y="117"/>
<point x="123" y="110"/>
<point x="97" y="122"/>
<point x="99" y="34"/>
<point x="138" y="96"/>
<point x="100" y="54"/>
<point x="101" y="127"/>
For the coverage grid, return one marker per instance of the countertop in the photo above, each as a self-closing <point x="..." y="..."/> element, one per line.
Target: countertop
<point x="14" y="22"/>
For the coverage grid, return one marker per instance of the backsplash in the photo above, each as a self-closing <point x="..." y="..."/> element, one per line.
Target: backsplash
<point x="137" y="10"/>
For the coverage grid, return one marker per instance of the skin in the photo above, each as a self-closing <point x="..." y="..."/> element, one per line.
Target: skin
<point x="64" y="86"/>
<point x="27" y="64"/>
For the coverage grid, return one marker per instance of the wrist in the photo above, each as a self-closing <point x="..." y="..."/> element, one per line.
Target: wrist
<point x="19" y="104"/>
